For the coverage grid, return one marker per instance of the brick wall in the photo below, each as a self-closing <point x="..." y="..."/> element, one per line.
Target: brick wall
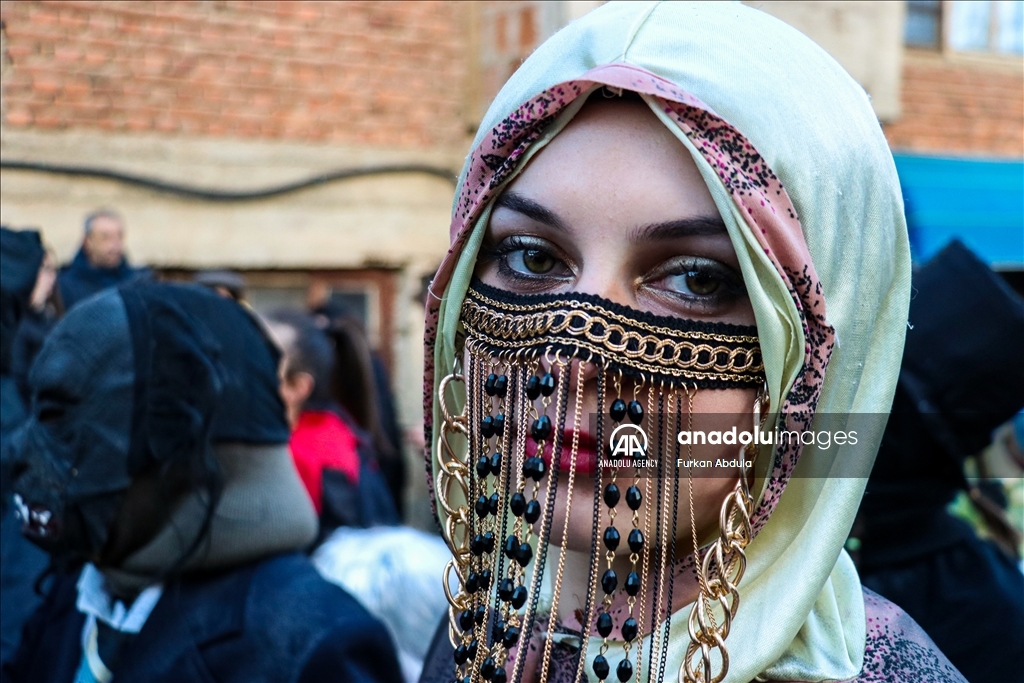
<point x="507" y="33"/>
<point x="974" y="108"/>
<point x="351" y="72"/>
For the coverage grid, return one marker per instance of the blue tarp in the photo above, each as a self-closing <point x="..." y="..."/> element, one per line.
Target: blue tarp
<point x="981" y="202"/>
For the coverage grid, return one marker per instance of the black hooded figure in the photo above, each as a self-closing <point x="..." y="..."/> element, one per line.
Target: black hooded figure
<point x="21" y="254"/>
<point x="154" y="469"/>
<point x="962" y="376"/>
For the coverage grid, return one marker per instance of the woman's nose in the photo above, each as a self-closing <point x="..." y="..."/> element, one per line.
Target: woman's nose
<point x="607" y="276"/>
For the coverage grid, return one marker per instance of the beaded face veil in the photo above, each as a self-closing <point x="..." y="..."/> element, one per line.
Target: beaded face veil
<point x="524" y="360"/>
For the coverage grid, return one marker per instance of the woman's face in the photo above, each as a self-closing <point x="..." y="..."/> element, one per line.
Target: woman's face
<point x="295" y="387"/>
<point x="615" y="206"/>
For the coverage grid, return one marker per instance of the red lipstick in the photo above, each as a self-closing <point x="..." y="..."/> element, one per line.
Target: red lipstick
<point x="586" y="452"/>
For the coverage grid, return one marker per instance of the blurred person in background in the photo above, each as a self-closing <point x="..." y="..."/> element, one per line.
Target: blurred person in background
<point x="154" y="470"/>
<point x="44" y="308"/>
<point x="227" y="283"/>
<point x="100" y="262"/>
<point x="364" y="389"/>
<point x="392" y="570"/>
<point x="22" y="275"/>
<point x="334" y="454"/>
<point x="22" y="257"/>
<point x="962" y="376"/>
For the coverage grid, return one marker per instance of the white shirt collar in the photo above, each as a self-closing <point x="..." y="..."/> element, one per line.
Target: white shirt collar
<point x="94" y="600"/>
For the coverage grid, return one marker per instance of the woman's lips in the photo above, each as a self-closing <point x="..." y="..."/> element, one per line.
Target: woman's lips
<point x="586" y="452"/>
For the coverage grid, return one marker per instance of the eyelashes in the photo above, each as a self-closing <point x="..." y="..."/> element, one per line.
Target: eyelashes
<point x="698" y="280"/>
<point x="531" y="262"/>
<point x="687" y="284"/>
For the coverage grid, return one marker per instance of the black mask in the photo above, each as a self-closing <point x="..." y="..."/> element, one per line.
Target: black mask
<point x="126" y="381"/>
<point x="144" y="376"/>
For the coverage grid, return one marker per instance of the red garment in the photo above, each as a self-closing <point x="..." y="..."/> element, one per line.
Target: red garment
<point x="322" y="440"/>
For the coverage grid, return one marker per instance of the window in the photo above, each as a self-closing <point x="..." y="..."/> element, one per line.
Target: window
<point x="966" y="25"/>
<point x="266" y="299"/>
<point x="1009" y="29"/>
<point x="368" y="294"/>
<point x="923" y="23"/>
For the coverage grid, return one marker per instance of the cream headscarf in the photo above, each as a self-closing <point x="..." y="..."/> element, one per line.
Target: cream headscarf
<point x="766" y="113"/>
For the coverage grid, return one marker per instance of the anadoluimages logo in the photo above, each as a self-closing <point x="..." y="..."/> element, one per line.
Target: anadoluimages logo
<point x="628" y="441"/>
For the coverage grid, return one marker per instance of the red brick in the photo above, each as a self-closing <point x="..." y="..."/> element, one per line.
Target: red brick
<point x="48" y="119"/>
<point x="18" y="51"/>
<point x="42" y="15"/>
<point x="102" y="21"/>
<point x="18" y="117"/>
<point x="72" y="19"/>
<point x="165" y="124"/>
<point x="76" y="88"/>
<point x="138" y="122"/>
<point x="387" y="73"/>
<point x="95" y="56"/>
<point x="47" y="83"/>
<point x="948" y="106"/>
<point x="65" y="54"/>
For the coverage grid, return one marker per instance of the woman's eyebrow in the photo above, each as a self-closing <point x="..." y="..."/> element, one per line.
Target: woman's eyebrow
<point x="682" y="227"/>
<point x="530" y="209"/>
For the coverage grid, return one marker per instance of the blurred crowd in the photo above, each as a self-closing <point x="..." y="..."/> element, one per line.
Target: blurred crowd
<point x="283" y="542"/>
<point x="312" y="371"/>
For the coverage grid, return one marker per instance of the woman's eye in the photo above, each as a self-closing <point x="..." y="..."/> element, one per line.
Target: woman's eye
<point x="528" y="260"/>
<point x="698" y="279"/>
<point x="532" y="260"/>
<point x="697" y="282"/>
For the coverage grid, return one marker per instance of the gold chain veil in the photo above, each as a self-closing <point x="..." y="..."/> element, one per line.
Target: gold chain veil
<point x="523" y="355"/>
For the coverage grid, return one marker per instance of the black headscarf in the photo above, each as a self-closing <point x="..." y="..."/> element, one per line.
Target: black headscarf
<point x="250" y="409"/>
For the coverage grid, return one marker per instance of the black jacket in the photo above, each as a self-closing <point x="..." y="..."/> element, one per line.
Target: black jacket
<point x="79" y="279"/>
<point x="274" y="621"/>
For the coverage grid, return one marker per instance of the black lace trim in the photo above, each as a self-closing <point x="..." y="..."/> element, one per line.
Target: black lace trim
<point x="646" y="347"/>
<point x="671" y="322"/>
